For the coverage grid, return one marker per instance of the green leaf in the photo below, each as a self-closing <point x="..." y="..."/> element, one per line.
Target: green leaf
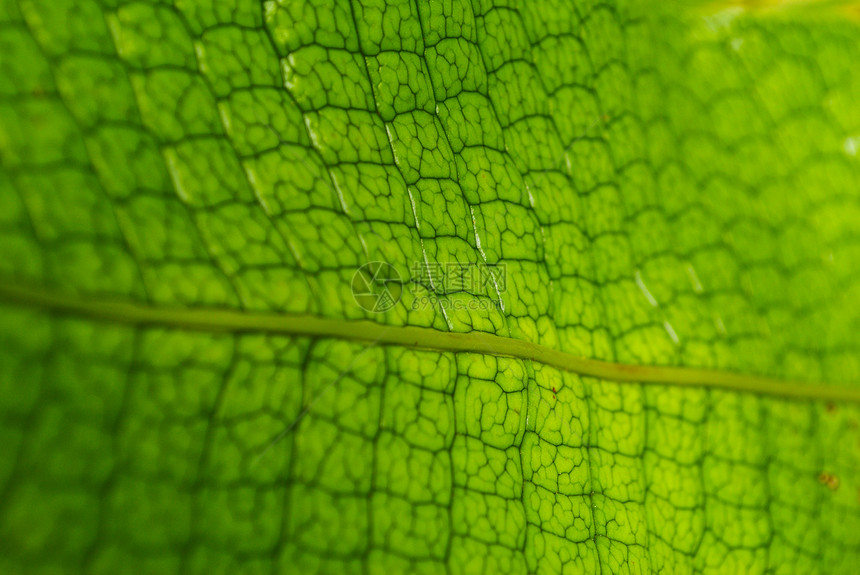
<point x="609" y="322"/>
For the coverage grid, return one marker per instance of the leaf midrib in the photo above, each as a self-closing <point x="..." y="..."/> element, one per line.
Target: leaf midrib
<point x="234" y="321"/>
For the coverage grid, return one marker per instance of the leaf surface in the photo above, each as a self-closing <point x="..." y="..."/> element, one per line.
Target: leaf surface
<point x="668" y="190"/>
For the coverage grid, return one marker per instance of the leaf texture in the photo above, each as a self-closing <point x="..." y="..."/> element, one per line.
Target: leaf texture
<point x="663" y="189"/>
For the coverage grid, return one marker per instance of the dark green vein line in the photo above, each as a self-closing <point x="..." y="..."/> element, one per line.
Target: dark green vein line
<point x="234" y="321"/>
